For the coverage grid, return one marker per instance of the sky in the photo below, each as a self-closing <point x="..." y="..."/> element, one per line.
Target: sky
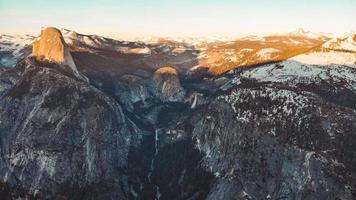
<point x="178" y="18"/>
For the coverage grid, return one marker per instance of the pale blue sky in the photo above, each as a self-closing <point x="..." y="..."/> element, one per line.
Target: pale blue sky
<point x="178" y="17"/>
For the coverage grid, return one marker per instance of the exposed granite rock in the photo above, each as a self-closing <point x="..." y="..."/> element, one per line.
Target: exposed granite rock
<point x="132" y="89"/>
<point x="167" y="85"/>
<point x="267" y="141"/>
<point x="61" y="135"/>
<point x="51" y="46"/>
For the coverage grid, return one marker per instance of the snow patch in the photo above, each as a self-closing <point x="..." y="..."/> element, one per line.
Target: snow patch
<point x="12" y="48"/>
<point x="267" y="52"/>
<point x="326" y="58"/>
<point x="292" y="71"/>
<point x="347" y="43"/>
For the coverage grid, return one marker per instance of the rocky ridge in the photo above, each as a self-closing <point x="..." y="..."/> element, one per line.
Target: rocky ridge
<point x="14" y="48"/>
<point x="280" y="130"/>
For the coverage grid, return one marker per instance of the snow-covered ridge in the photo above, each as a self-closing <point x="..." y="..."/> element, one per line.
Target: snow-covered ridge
<point x="14" y="43"/>
<point x="300" y="32"/>
<point x="71" y="37"/>
<point x="347" y="43"/>
<point x="338" y="51"/>
<point x="12" y="48"/>
<point x="196" y="41"/>
<point x="94" y="41"/>
<point x="327" y="58"/>
<point x="313" y="67"/>
<point x="292" y="71"/>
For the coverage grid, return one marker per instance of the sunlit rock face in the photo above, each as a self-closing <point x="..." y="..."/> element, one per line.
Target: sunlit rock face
<point x="50" y="46"/>
<point x="167" y="85"/>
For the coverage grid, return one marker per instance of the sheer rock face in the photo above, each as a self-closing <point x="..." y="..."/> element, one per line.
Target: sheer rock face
<point x="167" y="85"/>
<point x="286" y="152"/>
<point x="285" y="133"/>
<point x="60" y="134"/>
<point x="132" y="89"/>
<point x="50" y="46"/>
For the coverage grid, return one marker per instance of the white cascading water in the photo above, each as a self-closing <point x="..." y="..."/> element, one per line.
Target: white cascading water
<point x="158" y="194"/>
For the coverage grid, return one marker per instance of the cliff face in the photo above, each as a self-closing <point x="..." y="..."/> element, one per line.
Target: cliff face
<point x="50" y="46"/>
<point x="167" y="85"/>
<point x="277" y="131"/>
<point x="296" y="148"/>
<point x="68" y="137"/>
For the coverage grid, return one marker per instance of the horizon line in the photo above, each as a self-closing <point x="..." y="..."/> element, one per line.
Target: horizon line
<point x="136" y="35"/>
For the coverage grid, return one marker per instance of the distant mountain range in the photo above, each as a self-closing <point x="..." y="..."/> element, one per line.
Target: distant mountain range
<point x="259" y="117"/>
<point x="217" y="55"/>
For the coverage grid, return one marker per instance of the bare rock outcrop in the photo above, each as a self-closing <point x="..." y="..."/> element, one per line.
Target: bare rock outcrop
<point x="50" y="46"/>
<point x="132" y="89"/>
<point x="68" y="136"/>
<point x="167" y="85"/>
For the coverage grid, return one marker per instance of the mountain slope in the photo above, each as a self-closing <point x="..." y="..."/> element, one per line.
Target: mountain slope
<point x="347" y="43"/>
<point x="138" y="130"/>
<point x="68" y="137"/>
<point x="13" y="49"/>
<point x="221" y="57"/>
<point x="283" y="130"/>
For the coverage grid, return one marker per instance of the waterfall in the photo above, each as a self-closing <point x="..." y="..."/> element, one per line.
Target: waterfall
<point x="158" y="194"/>
<point x="194" y="101"/>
